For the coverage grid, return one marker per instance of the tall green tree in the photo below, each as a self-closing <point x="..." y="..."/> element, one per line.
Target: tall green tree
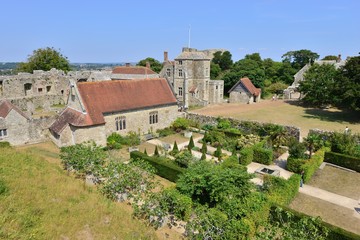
<point x="300" y="58"/>
<point x="223" y="59"/>
<point x="44" y="59"/>
<point x="318" y="85"/>
<point x="155" y="65"/>
<point x="330" y="57"/>
<point x="348" y="84"/>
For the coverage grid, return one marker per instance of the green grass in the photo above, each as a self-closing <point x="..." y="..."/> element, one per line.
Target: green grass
<point x="41" y="202"/>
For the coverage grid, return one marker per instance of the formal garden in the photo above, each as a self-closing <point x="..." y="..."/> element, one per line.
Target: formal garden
<point x="213" y="197"/>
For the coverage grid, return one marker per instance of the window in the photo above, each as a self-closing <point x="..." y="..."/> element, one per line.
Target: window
<point x="180" y="91"/>
<point x="180" y="62"/>
<point x="153" y="117"/>
<point x="168" y="72"/>
<point x="180" y="73"/>
<point x="48" y="88"/>
<point x="120" y="123"/>
<point x="216" y="87"/>
<point x="39" y="90"/>
<point x="3" y="133"/>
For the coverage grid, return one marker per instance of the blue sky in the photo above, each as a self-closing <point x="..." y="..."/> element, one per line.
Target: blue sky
<point x="128" y="31"/>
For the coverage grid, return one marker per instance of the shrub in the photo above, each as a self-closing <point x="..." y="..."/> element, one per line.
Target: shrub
<point x="183" y="159"/>
<point x="178" y="204"/>
<point x="203" y="156"/>
<point x="247" y="141"/>
<point x="311" y="165"/>
<point x="345" y="144"/>
<point x="132" y="139"/>
<point x="180" y="124"/>
<point x="295" y="164"/>
<point x="165" y="132"/>
<point x="343" y="160"/>
<point x="218" y="152"/>
<point x="114" y="141"/>
<point x="175" y="149"/>
<point x="262" y="155"/>
<point x="232" y="162"/>
<point x="297" y="149"/>
<point x="223" y="123"/>
<point x="165" y="167"/>
<point x="4" y="144"/>
<point x="214" y="137"/>
<point x="246" y="156"/>
<point x="281" y="191"/>
<point x="156" y="152"/>
<point x="191" y="143"/>
<point x="204" y="147"/>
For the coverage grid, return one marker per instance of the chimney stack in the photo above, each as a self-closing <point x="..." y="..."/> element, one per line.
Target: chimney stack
<point x="166" y="56"/>
<point x="127" y="64"/>
<point x="147" y="64"/>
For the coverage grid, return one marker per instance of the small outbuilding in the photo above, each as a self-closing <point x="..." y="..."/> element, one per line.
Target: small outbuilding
<point x="244" y="91"/>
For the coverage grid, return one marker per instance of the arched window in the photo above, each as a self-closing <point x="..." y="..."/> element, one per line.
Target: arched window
<point x="120" y="123"/>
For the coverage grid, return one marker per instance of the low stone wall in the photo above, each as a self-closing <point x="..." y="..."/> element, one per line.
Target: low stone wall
<point x="39" y="129"/>
<point x="243" y="125"/>
<point x="31" y="103"/>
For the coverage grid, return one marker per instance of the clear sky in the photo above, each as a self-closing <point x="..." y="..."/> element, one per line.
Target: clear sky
<point x="128" y="31"/>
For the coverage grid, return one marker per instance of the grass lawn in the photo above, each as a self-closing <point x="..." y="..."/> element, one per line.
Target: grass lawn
<point x="338" y="181"/>
<point x="43" y="202"/>
<point x="331" y="213"/>
<point x="287" y="113"/>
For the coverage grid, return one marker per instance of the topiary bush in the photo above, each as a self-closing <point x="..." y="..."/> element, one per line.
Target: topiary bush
<point x="246" y="156"/>
<point x="295" y="164"/>
<point x="262" y="155"/>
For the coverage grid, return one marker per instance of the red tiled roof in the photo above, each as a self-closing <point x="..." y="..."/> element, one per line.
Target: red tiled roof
<point x="248" y="85"/>
<point x="72" y="117"/>
<point x="6" y="106"/>
<point x="116" y="96"/>
<point x="133" y="70"/>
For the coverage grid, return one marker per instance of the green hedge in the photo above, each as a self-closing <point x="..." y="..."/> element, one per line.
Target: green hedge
<point x="282" y="191"/>
<point x="165" y="167"/>
<point x="335" y="233"/>
<point x="246" y="156"/>
<point x="262" y="155"/>
<point x="294" y="164"/>
<point x="343" y="160"/>
<point x="310" y="166"/>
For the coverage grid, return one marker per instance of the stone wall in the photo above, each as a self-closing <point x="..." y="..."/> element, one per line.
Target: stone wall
<point x="240" y="97"/>
<point x="138" y="121"/>
<point x="92" y="133"/>
<point x="243" y="125"/>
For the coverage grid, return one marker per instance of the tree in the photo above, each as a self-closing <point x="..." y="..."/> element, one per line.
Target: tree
<point x="300" y="58"/>
<point x="155" y="65"/>
<point x="347" y="86"/>
<point x="203" y="156"/>
<point x="276" y="88"/>
<point x="191" y="143"/>
<point x="44" y="59"/>
<point x="204" y="147"/>
<point x="85" y="158"/>
<point x="223" y="59"/>
<point x="156" y="152"/>
<point x="175" y="149"/>
<point x="215" y="70"/>
<point x="318" y="85"/>
<point x="330" y="57"/>
<point x="313" y="142"/>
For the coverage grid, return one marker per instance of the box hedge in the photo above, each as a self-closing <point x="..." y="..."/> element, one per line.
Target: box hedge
<point x="246" y="156"/>
<point x="294" y="164"/>
<point x="282" y="191"/>
<point x="262" y="155"/>
<point x="165" y="167"/>
<point x="343" y="160"/>
<point x="310" y="166"/>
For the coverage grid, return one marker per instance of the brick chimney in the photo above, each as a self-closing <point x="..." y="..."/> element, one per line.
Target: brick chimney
<point x="166" y="56"/>
<point x="339" y="58"/>
<point x="127" y="64"/>
<point x="147" y="64"/>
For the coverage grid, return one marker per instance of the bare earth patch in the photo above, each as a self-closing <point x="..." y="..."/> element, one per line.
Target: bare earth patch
<point x="330" y="213"/>
<point x="337" y="181"/>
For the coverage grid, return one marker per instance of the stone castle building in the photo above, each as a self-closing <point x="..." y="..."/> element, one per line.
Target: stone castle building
<point x="97" y="109"/>
<point x="189" y="76"/>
